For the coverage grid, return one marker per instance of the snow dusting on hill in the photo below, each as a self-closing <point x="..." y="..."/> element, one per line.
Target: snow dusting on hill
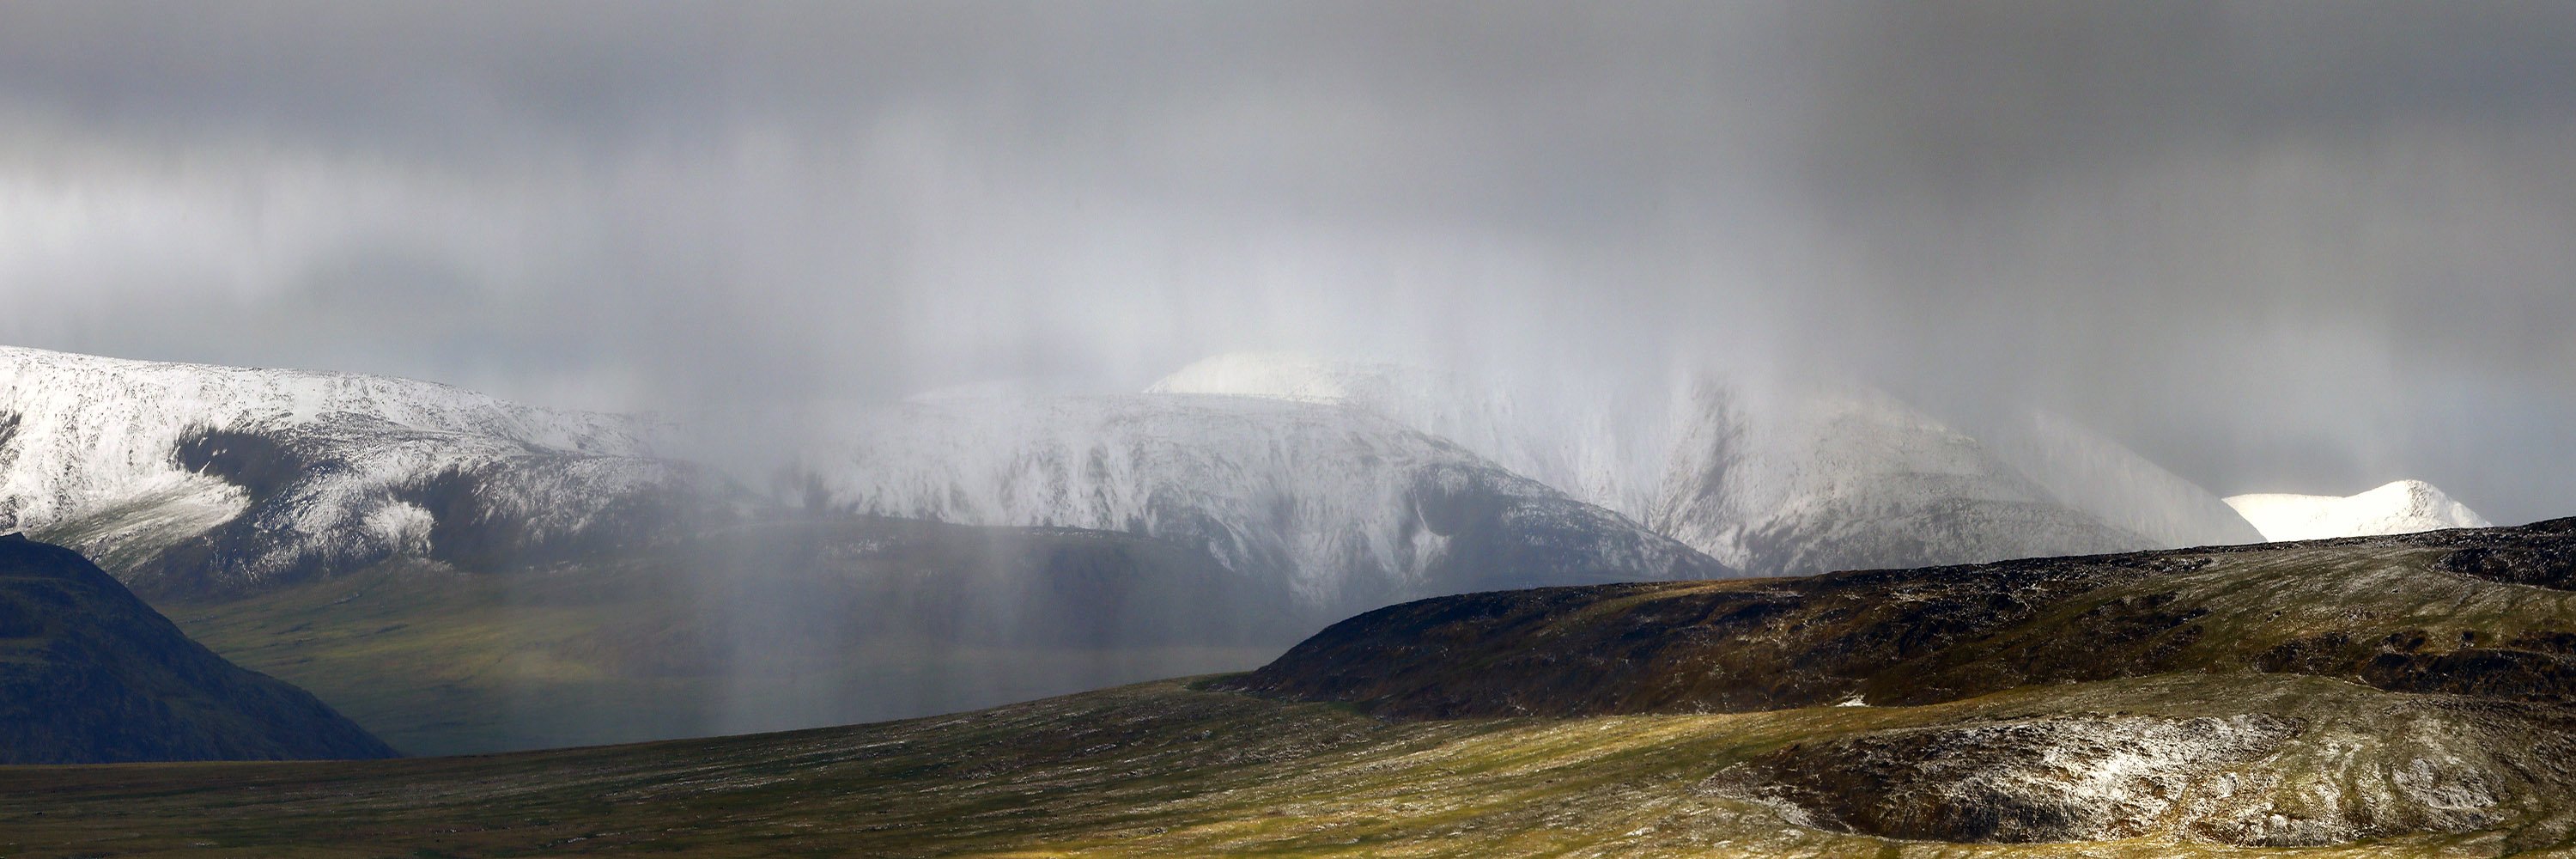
<point x="254" y="473"/>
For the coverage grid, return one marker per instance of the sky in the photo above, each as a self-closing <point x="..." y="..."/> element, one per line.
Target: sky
<point x="2283" y="246"/>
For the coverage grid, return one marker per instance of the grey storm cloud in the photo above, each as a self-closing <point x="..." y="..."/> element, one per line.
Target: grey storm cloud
<point x="2276" y="246"/>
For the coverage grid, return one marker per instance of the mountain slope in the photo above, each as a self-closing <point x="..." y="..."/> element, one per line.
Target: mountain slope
<point x="2402" y="507"/>
<point x="186" y="477"/>
<point x="1346" y="507"/>
<point x="89" y="674"/>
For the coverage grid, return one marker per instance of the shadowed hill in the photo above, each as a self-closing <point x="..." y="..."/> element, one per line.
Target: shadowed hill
<point x="2483" y="612"/>
<point x="89" y="674"/>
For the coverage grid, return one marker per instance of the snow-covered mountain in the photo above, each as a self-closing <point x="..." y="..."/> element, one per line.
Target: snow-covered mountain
<point x="1807" y="479"/>
<point x="2402" y="507"/>
<point x="195" y="477"/>
<point x="1346" y="507"/>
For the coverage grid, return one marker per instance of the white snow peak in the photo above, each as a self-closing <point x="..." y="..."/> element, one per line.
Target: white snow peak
<point x="2402" y="507"/>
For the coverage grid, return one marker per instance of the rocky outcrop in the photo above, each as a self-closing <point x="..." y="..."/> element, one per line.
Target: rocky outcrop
<point x="2048" y="778"/>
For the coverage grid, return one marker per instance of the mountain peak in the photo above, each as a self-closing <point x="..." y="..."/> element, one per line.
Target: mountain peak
<point x="2397" y="507"/>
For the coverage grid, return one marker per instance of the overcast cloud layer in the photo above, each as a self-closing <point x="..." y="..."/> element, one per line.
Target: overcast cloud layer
<point x="2278" y="247"/>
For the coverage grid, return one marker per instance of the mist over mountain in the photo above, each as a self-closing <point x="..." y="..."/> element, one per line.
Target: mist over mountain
<point x="1777" y="476"/>
<point x="1347" y="507"/>
<point x="1605" y="446"/>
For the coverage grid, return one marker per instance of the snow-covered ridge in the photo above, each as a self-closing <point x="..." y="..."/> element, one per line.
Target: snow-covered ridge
<point x="91" y="454"/>
<point x="1348" y="508"/>
<point x="2402" y="507"/>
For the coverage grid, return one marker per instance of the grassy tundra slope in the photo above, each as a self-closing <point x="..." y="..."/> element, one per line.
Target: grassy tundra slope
<point x="2371" y="697"/>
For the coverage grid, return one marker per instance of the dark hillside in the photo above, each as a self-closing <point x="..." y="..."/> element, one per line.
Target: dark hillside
<point x="2480" y="612"/>
<point x="89" y="674"/>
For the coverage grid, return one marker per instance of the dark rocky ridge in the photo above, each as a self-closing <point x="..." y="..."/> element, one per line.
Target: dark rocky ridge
<point x="89" y="674"/>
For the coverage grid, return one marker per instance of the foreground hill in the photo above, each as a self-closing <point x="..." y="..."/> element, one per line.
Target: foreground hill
<point x="2486" y="612"/>
<point x="2276" y="717"/>
<point x="89" y="674"/>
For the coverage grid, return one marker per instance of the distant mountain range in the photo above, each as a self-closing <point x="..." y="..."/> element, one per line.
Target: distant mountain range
<point x="1345" y="481"/>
